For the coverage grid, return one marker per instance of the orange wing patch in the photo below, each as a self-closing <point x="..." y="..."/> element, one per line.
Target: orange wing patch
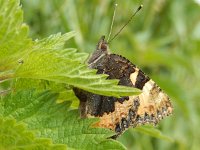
<point x="122" y="110"/>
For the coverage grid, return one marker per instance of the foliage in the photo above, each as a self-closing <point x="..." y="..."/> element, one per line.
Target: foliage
<point x="56" y="121"/>
<point x="47" y="59"/>
<point x="163" y="39"/>
<point x="16" y="136"/>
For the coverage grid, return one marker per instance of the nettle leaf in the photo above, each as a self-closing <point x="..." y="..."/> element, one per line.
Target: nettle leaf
<point x="15" y="135"/>
<point x="67" y="66"/>
<point x="56" y="121"/>
<point x="13" y="34"/>
<point x="47" y="59"/>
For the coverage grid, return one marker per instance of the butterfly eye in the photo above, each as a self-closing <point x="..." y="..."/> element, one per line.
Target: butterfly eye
<point x="104" y="47"/>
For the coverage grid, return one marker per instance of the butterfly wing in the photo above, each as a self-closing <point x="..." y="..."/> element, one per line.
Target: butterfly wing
<point x="119" y="114"/>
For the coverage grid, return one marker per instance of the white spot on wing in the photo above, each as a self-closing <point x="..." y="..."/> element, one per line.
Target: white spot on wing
<point x="133" y="76"/>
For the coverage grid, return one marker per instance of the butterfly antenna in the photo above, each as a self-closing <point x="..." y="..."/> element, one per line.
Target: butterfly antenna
<point x="113" y="19"/>
<point x="140" y="7"/>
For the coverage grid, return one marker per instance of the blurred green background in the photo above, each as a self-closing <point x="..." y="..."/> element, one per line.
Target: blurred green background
<point x="163" y="39"/>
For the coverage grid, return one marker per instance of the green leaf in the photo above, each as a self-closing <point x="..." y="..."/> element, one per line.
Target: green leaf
<point x="66" y="66"/>
<point x="14" y="135"/>
<point x="53" y="42"/>
<point x="13" y="34"/>
<point x="41" y="113"/>
<point x="47" y="59"/>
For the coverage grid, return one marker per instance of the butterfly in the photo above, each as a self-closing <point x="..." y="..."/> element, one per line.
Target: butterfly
<point x="118" y="114"/>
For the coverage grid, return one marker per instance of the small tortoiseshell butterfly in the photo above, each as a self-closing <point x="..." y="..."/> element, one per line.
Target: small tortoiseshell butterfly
<point x="118" y="114"/>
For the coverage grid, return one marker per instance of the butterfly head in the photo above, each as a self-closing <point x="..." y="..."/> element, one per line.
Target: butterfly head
<point x="101" y="50"/>
<point x="102" y="44"/>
